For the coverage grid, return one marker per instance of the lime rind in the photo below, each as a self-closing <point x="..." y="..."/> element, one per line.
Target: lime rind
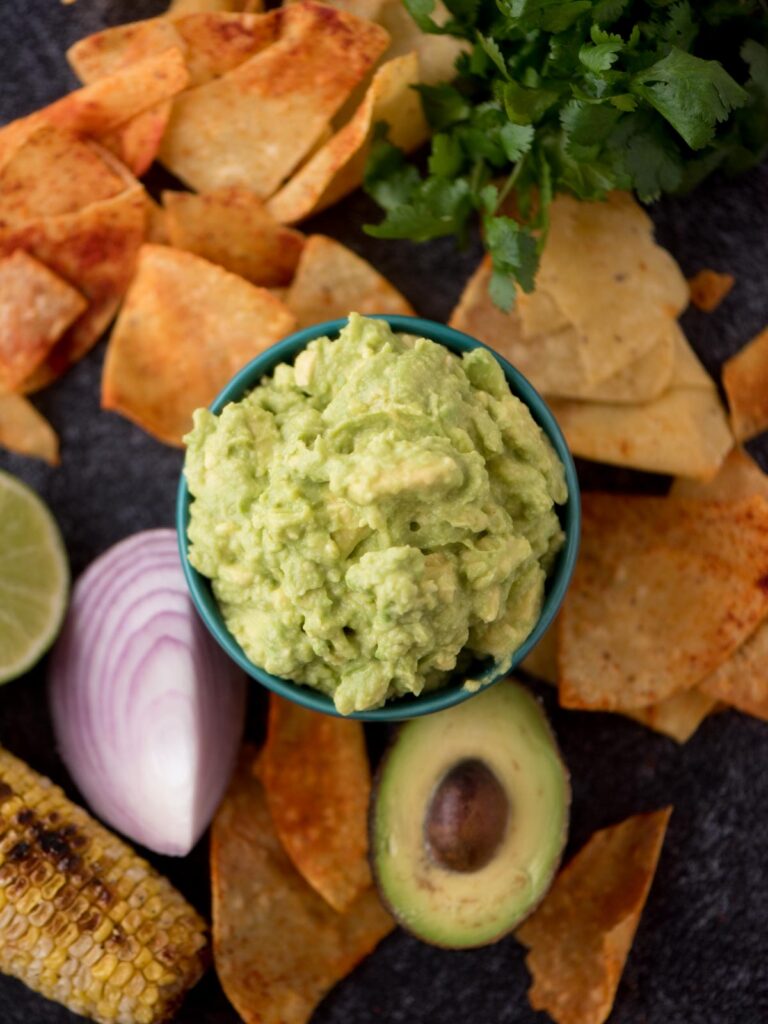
<point x="34" y="578"/>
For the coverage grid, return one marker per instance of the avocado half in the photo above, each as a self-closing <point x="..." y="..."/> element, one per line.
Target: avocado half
<point x="469" y="818"/>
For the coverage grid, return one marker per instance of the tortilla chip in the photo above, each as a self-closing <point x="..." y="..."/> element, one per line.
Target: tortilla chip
<point x="36" y="307"/>
<point x="738" y="477"/>
<point x="581" y="935"/>
<point x="157" y="226"/>
<point x="689" y="371"/>
<point x="94" y="250"/>
<point x="679" y="716"/>
<point x="216" y="43"/>
<point x="437" y="54"/>
<point x="537" y="339"/>
<point x="331" y="281"/>
<point x="185" y="328"/>
<point x="542" y="660"/>
<point x="684" y="432"/>
<point x="745" y="379"/>
<point x="622" y="291"/>
<point x="338" y="167"/>
<point x="231" y="227"/>
<point x="278" y="946"/>
<point x="104" y="105"/>
<point x="24" y="431"/>
<point x="199" y="6"/>
<point x="664" y="592"/>
<point x="708" y="289"/>
<point x="54" y="172"/>
<point x="318" y="783"/>
<point x="742" y="680"/>
<point x="266" y="114"/>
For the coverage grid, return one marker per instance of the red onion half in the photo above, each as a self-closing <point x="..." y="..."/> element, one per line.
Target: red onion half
<point x="148" y="710"/>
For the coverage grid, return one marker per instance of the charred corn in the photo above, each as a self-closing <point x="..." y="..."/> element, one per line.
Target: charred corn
<point x="83" y="919"/>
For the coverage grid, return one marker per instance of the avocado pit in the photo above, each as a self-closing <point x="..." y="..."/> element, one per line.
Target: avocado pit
<point x="467" y="818"/>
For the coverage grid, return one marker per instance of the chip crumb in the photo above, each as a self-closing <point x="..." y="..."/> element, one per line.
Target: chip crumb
<point x="708" y="289"/>
<point x="581" y="935"/>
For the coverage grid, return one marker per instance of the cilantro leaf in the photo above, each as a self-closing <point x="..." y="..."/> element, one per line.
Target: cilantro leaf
<point x="692" y="94"/>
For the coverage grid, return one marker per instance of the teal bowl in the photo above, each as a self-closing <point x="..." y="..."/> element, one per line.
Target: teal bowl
<point x="485" y="672"/>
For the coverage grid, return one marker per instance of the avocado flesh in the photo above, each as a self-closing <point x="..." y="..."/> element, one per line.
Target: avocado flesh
<point x="504" y="729"/>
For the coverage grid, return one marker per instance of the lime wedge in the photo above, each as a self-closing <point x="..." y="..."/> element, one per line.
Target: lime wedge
<point x="34" y="578"/>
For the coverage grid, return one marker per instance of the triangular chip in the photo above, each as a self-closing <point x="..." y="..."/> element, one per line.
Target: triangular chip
<point x="689" y="371"/>
<point x="254" y="125"/>
<point x="24" y="431"/>
<point x="94" y="250"/>
<point x="678" y="717"/>
<point x="437" y="54"/>
<point x="338" y="167"/>
<point x="331" y="281"/>
<point x="195" y="6"/>
<point x="185" y="328"/>
<point x="742" y="680"/>
<point x="738" y="477"/>
<point x="215" y="43"/>
<point x="231" y="227"/>
<point x="745" y="379"/>
<point x="157" y="227"/>
<point x="708" y="289"/>
<point x="54" y="172"/>
<point x="623" y="289"/>
<point x="106" y="104"/>
<point x="538" y="340"/>
<point x="684" y="432"/>
<point x="36" y="307"/>
<point x="581" y="935"/>
<point x="665" y="590"/>
<point x="318" y="783"/>
<point x="278" y="946"/>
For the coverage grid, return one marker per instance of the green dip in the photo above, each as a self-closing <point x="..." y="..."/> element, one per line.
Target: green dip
<point x="373" y="512"/>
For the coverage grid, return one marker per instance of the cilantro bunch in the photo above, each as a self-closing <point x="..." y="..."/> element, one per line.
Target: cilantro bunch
<point x="577" y="96"/>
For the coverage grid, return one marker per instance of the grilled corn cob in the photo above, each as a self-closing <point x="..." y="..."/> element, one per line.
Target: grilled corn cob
<point x="83" y="920"/>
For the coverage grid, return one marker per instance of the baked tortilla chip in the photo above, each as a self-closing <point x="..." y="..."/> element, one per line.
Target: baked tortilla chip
<point x="689" y="371"/>
<point x="331" y="281"/>
<point x="665" y="590"/>
<point x="678" y="717"/>
<point x="278" y="946"/>
<point x="253" y="126"/>
<point x="622" y="291"/>
<point x="742" y="680"/>
<point x="708" y="289"/>
<point x="199" y="6"/>
<point x="185" y="328"/>
<point x="738" y="477"/>
<point x="437" y="54"/>
<point x="684" y="432"/>
<point x="581" y="935"/>
<point x="338" y="167"/>
<point x="54" y="172"/>
<point x="745" y="379"/>
<point x="537" y="339"/>
<point x="94" y="250"/>
<point x="231" y="227"/>
<point x="157" y="226"/>
<point x="318" y="783"/>
<point x="104" y="105"/>
<point x="36" y="307"/>
<point x="216" y="43"/>
<point x="24" y="431"/>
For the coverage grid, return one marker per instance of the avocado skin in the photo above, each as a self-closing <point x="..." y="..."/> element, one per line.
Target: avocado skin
<point x="397" y="910"/>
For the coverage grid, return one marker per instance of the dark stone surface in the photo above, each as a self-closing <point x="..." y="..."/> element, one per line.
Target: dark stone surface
<point x="700" y="953"/>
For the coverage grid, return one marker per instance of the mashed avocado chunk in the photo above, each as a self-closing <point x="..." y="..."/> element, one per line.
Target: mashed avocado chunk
<point x="373" y="512"/>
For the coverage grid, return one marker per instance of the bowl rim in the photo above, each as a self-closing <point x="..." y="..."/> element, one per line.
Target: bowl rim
<point x="408" y="706"/>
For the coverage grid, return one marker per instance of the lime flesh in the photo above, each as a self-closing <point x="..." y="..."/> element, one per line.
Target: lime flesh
<point x="34" y="578"/>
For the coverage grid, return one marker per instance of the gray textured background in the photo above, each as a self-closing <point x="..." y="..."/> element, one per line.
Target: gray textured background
<point x="701" y="952"/>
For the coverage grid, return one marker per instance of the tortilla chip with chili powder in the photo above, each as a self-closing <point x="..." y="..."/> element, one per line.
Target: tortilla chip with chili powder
<point x="185" y="328"/>
<point x="581" y="935"/>
<point x="24" y="431"/>
<point x="665" y="590"/>
<point x="317" y="782"/>
<point x="278" y="946"/>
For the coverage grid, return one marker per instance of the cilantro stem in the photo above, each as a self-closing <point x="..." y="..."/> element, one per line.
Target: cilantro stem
<point x="509" y="184"/>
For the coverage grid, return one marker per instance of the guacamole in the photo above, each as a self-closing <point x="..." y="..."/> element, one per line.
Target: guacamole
<point x="374" y="512"/>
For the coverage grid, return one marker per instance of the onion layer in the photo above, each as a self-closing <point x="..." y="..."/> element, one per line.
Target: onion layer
<point x="148" y="710"/>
